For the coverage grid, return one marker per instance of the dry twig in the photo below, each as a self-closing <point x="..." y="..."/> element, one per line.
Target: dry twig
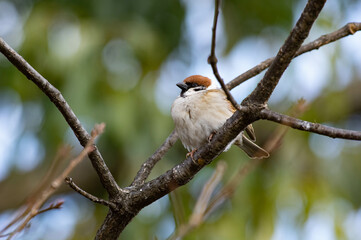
<point x="37" y="201"/>
<point x="89" y="196"/>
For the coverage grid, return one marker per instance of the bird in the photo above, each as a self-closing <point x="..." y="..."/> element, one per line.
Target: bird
<point x="198" y="112"/>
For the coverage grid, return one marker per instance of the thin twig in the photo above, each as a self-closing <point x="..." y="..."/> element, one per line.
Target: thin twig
<point x="348" y="29"/>
<point x="89" y="196"/>
<point x="309" y="126"/>
<point x="33" y="207"/>
<point x="228" y="190"/>
<point x="266" y="86"/>
<point x="57" y="98"/>
<point x="148" y="165"/>
<point x="61" y="155"/>
<point x="52" y="206"/>
<point x="212" y="59"/>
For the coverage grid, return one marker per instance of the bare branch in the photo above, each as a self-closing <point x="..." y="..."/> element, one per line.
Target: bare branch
<point x="309" y="126"/>
<point x="36" y="202"/>
<point x="148" y="165"/>
<point x="57" y="98"/>
<point x="286" y="53"/>
<point x="348" y="29"/>
<point x="212" y="59"/>
<point x="52" y="206"/>
<point x="89" y="196"/>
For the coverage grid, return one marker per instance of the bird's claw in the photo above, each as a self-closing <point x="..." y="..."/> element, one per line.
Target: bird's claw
<point x="191" y="153"/>
<point x="211" y="136"/>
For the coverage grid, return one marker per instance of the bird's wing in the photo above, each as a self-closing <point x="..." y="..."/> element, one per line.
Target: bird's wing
<point x="253" y="150"/>
<point x="249" y="129"/>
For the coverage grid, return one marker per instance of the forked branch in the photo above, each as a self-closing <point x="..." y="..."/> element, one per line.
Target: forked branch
<point x="286" y="53"/>
<point x="348" y="29"/>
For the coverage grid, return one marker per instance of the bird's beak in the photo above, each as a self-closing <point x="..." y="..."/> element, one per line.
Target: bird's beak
<point x="182" y="86"/>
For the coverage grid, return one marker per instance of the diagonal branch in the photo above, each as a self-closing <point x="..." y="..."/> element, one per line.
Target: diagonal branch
<point x="309" y="126"/>
<point x="148" y="165"/>
<point x="57" y="98"/>
<point x="89" y="196"/>
<point x="212" y="59"/>
<point x="265" y="87"/>
<point x="348" y="29"/>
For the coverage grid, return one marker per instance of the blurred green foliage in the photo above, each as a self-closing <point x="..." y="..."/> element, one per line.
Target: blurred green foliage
<point x="106" y="57"/>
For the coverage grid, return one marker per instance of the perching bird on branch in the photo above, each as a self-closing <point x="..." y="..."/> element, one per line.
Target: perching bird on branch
<point x="198" y="113"/>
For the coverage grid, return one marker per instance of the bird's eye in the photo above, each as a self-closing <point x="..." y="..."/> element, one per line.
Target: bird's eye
<point x="198" y="89"/>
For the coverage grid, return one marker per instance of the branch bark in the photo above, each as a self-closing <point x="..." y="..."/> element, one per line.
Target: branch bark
<point x="309" y="126"/>
<point x="87" y="195"/>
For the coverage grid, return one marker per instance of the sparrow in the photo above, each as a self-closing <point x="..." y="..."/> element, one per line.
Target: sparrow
<point x="198" y="112"/>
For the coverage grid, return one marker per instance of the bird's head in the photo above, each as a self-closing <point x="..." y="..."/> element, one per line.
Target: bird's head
<point x="192" y="84"/>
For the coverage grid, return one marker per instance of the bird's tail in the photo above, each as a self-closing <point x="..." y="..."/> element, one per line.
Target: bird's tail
<point x="251" y="149"/>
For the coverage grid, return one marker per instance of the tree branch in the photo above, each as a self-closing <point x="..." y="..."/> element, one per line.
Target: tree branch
<point x="89" y="196"/>
<point x="348" y="29"/>
<point x="212" y="59"/>
<point x="309" y="126"/>
<point x="148" y="165"/>
<point x="57" y="98"/>
<point x="286" y="53"/>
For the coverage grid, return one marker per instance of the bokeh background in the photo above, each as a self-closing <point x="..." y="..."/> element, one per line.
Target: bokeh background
<point x="117" y="61"/>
